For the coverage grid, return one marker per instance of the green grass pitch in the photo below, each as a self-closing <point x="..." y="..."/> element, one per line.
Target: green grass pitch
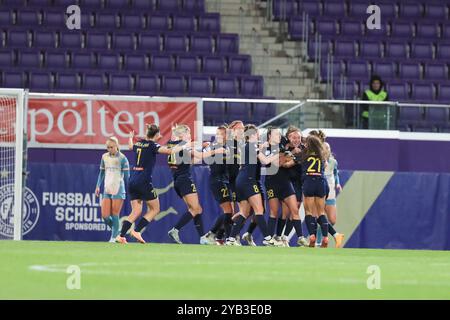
<point x="37" y="270"/>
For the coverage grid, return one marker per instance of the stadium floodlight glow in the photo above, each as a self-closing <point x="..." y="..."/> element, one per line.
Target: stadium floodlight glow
<point x="12" y="130"/>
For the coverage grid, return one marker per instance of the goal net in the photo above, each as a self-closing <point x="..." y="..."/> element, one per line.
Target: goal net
<point x="12" y="119"/>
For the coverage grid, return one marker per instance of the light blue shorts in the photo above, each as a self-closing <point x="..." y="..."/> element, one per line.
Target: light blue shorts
<point x="114" y="196"/>
<point x="330" y="202"/>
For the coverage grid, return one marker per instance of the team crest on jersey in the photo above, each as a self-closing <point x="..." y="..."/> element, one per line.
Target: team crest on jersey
<point x="30" y="211"/>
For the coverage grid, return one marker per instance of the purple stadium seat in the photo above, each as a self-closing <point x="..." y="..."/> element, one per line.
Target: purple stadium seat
<point x="252" y="86"/>
<point x="283" y="9"/>
<point x="239" y="110"/>
<point x="427" y="30"/>
<point x="94" y="83"/>
<point x="263" y="111"/>
<point x="240" y="64"/>
<point x="388" y="9"/>
<point x="311" y="7"/>
<point x="168" y="5"/>
<point x="209" y="22"/>
<point x="13" y="80"/>
<point x="106" y="20"/>
<point x="325" y="48"/>
<point x="133" y="21"/>
<point x="334" y="8"/>
<point x="326" y="27"/>
<point x="357" y="9"/>
<point x="446" y="31"/>
<point x="39" y="3"/>
<point x="370" y="49"/>
<point x="344" y="90"/>
<point x="29" y="59"/>
<point x="295" y="28"/>
<point x="201" y="44"/>
<point x="357" y="69"/>
<point x="398" y="91"/>
<point x="67" y="82"/>
<point x="55" y="19"/>
<point x="175" y="42"/>
<point x="6" y="59"/>
<point x="117" y="4"/>
<point x="410" y="116"/>
<point x="376" y="33"/>
<point x="142" y="5"/>
<point x="435" y="11"/>
<point x="173" y="85"/>
<point x="199" y="86"/>
<point x="135" y="62"/>
<point x="41" y="82"/>
<point x="336" y="69"/>
<point x="444" y="93"/>
<point x="83" y="60"/>
<point x="65" y="3"/>
<point x="443" y="51"/>
<point x="345" y="48"/>
<point x="94" y="4"/>
<point x="120" y="84"/>
<point x="195" y="6"/>
<point x="422" y="92"/>
<point x="16" y="3"/>
<point x="352" y="28"/>
<point x="227" y="43"/>
<point x="225" y="87"/>
<point x="71" y="40"/>
<point x="123" y="42"/>
<point x="386" y="70"/>
<point x="187" y="64"/>
<point x="183" y="23"/>
<point x="409" y="70"/>
<point x="147" y="85"/>
<point x="55" y="60"/>
<point x="410" y="10"/>
<point x="28" y="18"/>
<point x="17" y="39"/>
<point x="214" y="112"/>
<point x="6" y="17"/>
<point x="44" y="39"/>
<point x="402" y="29"/>
<point x="213" y="64"/>
<point x="397" y="50"/>
<point x="436" y="71"/>
<point x="149" y="42"/>
<point x="109" y="61"/>
<point x="437" y="116"/>
<point x="97" y="40"/>
<point x="422" y="51"/>
<point x="158" y="22"/>
<point x="162" y="63"/>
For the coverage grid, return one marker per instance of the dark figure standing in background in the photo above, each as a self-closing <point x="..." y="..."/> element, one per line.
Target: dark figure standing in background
<point x="374" y="93"/>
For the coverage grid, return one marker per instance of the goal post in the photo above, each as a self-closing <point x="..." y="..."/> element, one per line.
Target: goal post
<point x="12" y="134"/>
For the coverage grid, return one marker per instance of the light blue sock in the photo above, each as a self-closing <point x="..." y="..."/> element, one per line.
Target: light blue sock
<point x="108" y="221"/>
<point x="115" y="226"/>
<point x="319" y="235"/>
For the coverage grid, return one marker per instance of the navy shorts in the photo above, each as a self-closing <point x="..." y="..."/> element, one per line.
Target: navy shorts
<point x="184" y="185"/>
<point x="279" y="189"/>
<point x="298" y="190"/>
<point x="232" y="186"/>
<point x="140" y="190"/>
<point x="247" y="188"/>
<point x="221" y="191"/>
<point x="315" y="187"/>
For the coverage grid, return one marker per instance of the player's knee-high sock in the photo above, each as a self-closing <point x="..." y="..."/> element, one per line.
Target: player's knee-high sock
<point x="280" y="225"/>
<point x="218" y="223"/>
<point x="126" y="225"/>
<point x="237" y="226"/>
<point x="252" y="227"/>
<point x="298" y="227"/>
<point x="262" y="225"/>
<point x="198" y="222"/>
<point x="220" y="233"/>
<point x="227" y="223"/>
<point x="115" y="226"/>
<point x="331" y="229"/>
<point x="271" y="225"/>
<point x="311" y="224"/>
<point x="323" y="222"/>
<point x="108" y="221"/>
<point x="141" y="224"/>
<point x="289" y="226"/>
<point x="184" y="219"/>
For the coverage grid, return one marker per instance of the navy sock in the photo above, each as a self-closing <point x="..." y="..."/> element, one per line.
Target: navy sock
<point x="126" y="225"/>
<point x="227" y="223"/>
<point x="252" y="227"/>
<point x="289" y="226"/>
<point x="311" y="224"/>
<point x="331" y="229"/>
<point x="237" y="226"/>
<point x="323" y="222"/>
<point x="218" y="223"/>
<point x="298" y="227"/>
<point x="262" y="225"/>
<point x="198" y="222"/>
<point x="280" y="225"/>
<point x="220" y="233"/>
<point x="271" y="225"/>
<point x="141" y="225"/>
<point x="184" y="219"/>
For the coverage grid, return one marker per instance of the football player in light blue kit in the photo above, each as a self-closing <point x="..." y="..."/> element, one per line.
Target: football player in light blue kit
<point x="114" y="172"/>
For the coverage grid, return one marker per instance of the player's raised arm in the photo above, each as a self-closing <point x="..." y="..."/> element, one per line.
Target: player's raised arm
<point x="131" y="140"/>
